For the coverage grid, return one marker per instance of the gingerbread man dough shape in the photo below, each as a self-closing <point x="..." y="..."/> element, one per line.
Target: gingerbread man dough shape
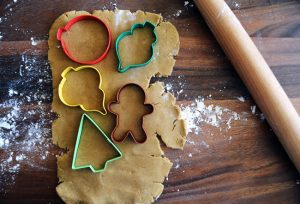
<point x="130" y="108"/>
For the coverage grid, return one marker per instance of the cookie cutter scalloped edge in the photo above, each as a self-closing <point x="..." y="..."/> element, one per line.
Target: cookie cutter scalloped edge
<point x="61" y="30"/>
<point x="79" y="134"/>
<point x="117" y="115"/>
<point x="63" y="81"/>
<point x="130" y="32"/>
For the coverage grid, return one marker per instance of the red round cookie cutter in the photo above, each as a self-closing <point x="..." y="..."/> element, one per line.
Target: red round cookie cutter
<point x="70" y="24"/>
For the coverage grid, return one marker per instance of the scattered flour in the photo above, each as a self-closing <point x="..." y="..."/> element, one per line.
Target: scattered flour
<point x="188" y="4"/>
<point x="173" y="14"/>
<point x="179" y="85"/>
<point x="25" y="125"/>
<point x="7" y="12"/>
<point x="203" y="143"/>
<point x="237" y="5"/>
<point x="178" y="13"/>
<point x="197" y="114"/>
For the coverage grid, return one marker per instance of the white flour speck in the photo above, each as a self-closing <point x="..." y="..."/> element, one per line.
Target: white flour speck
<point x="190" y="155"/>
<point x="204" y="144"/>
<point x="10" y="92"/>
<point x="237" y="5"/>
<point x="176" y="87"/>
<point x="253" y="109"/>
<point x="20" y="157"/>
<point x="178" y="13"/>
<point x="241" y="98"/>
<point x="34" y="41"/>
<point x="169" y="87"/>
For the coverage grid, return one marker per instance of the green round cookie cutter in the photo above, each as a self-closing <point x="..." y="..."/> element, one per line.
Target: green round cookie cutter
<point x="130" y="32"/>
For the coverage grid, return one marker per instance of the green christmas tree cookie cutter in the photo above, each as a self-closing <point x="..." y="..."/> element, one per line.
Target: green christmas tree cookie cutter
<point x="80" y="130"/>
<point x="130" y="32"/>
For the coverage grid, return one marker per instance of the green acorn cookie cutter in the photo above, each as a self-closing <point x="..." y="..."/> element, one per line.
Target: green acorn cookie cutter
<point x="130" y="32"/>
<point x="80" y="130"/>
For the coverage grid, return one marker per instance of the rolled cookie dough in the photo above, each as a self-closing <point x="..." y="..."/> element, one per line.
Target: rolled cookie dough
<point x="138" y="176"/>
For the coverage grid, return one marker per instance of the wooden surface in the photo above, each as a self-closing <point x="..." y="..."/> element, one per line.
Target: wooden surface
<point x="255" y="73"/>
<point x="241" y="164"/>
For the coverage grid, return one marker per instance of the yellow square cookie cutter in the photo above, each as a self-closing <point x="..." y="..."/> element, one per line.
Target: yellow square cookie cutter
<point x="63" y="81"/>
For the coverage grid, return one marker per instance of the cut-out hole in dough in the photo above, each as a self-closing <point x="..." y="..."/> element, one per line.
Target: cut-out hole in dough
<point x="82" y="38"/>
<point x="130" y="109"/>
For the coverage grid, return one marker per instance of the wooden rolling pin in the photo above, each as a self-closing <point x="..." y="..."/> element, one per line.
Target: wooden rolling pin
<point x="255" y="73"/>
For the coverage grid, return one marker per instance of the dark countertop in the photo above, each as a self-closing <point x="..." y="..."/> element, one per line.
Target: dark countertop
<point x="231" y="158"/>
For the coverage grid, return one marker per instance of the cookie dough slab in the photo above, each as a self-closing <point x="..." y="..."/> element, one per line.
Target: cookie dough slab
<point x="138" y="176"/>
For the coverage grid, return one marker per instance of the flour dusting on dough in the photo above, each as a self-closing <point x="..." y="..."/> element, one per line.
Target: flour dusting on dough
<point x="123" y="16"/>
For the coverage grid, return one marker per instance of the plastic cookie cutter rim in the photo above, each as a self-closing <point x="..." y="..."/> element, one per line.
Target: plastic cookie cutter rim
<point x="117" y="115"/>
<point x="61" y="30"/>
<point x="130" y="32"/>
<point x="79" y="134"/>
<point x="63" y="81"/>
